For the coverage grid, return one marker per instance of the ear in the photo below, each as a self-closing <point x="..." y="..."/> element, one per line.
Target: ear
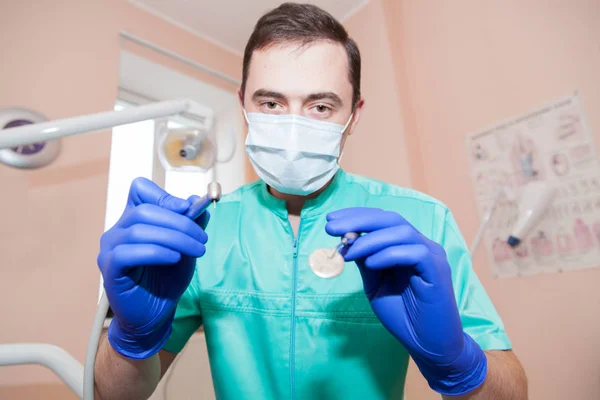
<point x="356" y="116"/>
<point x="241" y="100"/>
<point x="240" y="96"/>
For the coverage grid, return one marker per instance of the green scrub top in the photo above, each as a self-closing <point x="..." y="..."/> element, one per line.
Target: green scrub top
<point x="274" y="330"/>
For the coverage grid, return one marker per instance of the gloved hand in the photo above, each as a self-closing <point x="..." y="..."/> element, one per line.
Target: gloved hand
<point x="147" y="261"/>
<point x="407" y="279"/>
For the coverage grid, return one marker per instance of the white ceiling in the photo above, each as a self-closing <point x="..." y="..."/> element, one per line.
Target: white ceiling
<point x="229" y="23"/>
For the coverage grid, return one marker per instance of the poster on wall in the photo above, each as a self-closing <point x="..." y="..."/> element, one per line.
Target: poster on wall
<point x="552" y="143"/>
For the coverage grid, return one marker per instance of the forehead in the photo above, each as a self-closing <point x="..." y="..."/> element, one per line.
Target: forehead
<point x="293" y="69"/>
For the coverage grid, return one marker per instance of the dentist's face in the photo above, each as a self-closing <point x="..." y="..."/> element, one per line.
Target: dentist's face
<point x="310" y="81"/>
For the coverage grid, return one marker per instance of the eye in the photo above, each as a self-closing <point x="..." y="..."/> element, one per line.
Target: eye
<point x="321" y="111"/>
<point x="270" y="106"/>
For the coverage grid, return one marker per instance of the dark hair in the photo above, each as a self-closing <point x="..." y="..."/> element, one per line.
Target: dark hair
<point x="302" y="24"/>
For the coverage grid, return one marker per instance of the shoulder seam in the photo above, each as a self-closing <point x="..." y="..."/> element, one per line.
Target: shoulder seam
<point x="235" y="196"/>
<point x="427" y="198"/>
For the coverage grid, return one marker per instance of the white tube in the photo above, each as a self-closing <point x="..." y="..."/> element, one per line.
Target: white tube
<point x="92" y="348"/>
<point x="50" y="130"/>
<point x="486" y="220"/>
<point x="534" y="200"/>
<point x="56" y="359"/>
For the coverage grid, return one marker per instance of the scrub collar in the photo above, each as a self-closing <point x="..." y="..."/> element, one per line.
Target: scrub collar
<point x="319" y="205"/>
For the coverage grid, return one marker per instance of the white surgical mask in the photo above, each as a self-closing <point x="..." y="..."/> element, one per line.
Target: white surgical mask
<point x="293" y="154"/>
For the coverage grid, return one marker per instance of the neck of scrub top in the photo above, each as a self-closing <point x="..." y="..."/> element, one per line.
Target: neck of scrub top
<point x="318" y="205"/>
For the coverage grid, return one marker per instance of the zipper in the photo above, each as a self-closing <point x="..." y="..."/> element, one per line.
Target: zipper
<point x="293" y="322"/>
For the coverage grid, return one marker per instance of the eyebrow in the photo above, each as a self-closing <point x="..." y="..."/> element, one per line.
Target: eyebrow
<point x="265" y="93"/>
<point x="262" y="93"/>
<point x="334" y="98"/>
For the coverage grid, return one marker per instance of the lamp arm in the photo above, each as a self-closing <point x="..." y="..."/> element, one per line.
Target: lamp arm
<point x="44" y="131"/>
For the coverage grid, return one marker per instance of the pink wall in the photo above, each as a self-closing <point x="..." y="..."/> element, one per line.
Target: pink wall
<point x="469" y="64"/>
<point x="62" y="59"/>
<point x="382" y="121"/>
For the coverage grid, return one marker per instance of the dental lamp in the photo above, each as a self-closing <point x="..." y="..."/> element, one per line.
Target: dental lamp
<point x="182" y="149"/>
<point x="533" y="201"/>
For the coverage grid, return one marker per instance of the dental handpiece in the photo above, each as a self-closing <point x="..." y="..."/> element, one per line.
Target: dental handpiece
<point x="213" y="195"/>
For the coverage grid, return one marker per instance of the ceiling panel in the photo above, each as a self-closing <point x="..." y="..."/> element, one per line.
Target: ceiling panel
<point x="230" y="22"/>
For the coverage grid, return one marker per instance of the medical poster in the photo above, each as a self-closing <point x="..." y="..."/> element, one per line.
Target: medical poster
<point x="552" y="143"/>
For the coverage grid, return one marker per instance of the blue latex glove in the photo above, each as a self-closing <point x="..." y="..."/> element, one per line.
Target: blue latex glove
<point x="147" y="261"/>
<point x="407" y="279"/>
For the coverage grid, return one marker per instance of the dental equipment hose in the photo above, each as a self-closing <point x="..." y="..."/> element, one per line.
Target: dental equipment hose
<point x="486" y="220"/>
<point x="194" y="211"/>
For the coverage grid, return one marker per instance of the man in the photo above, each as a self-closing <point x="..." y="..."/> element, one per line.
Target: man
<point x="274" y="329"/>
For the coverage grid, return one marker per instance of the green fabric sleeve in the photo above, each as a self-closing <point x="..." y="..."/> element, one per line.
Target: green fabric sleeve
<point x="479" y="317"/>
